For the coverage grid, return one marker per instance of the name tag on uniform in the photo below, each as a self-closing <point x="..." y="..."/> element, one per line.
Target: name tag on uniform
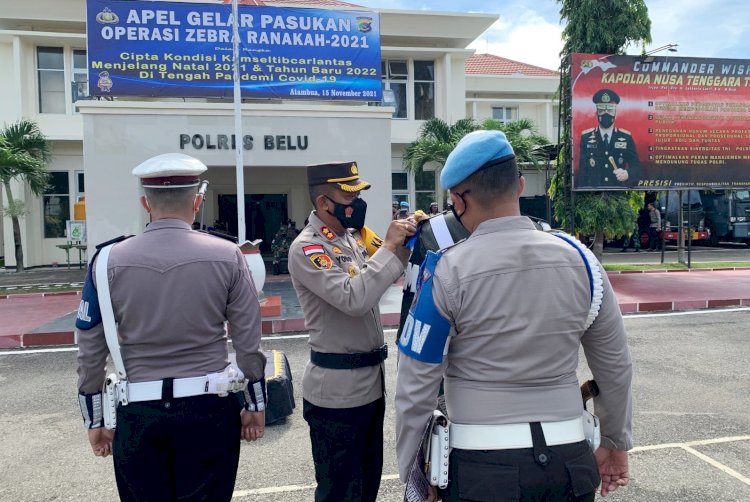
<point x="426" y="331"/>
<point x="621" y="144"/>
<point x="590" y="145"/>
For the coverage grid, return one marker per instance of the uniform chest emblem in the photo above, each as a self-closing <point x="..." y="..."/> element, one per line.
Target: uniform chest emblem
<point x="336" y="250"/>
<point x="360" y="243"/>
<point x="353" y="271"/>
<point x="321" y="261"/>
<point x="327" y="233"/>
<point x="621" y="145"/>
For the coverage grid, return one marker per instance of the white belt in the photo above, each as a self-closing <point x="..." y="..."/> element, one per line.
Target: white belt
<point x="513" y="436"/>
<point x="182" y="387"/>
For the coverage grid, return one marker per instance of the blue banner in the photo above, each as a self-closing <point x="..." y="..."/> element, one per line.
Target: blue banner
<point x="169" y="49"/>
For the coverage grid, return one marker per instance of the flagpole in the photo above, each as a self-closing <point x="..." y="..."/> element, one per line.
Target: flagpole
<point x="238" y="128"/>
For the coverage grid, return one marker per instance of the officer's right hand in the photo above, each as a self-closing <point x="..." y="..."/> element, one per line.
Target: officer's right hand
<point x="398" y="232"/>
<point x="101" y="441"/>
<point x="613" y="469"/>
<point x="253" y="424"/>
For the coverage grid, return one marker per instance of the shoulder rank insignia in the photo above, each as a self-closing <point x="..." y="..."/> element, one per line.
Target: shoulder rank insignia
<point x="321" y="261"/>
<point x="336" y="250"/>
<point x="327" y="233"/>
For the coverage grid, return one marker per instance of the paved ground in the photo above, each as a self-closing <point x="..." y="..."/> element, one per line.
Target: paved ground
<point x="44" y="319"/>
<point x="691" y="423"/>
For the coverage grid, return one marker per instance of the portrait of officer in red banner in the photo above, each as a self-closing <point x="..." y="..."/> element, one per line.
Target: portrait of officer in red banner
<point x="607" y="155"/>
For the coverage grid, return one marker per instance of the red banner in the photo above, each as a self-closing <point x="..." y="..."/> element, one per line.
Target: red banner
<point x="660" y="123"/>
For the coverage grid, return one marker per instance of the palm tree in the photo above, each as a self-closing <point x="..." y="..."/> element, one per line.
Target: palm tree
<point x="524" y="136"/>
<point x="437" y="140"/>
<point x="24" y="153"/>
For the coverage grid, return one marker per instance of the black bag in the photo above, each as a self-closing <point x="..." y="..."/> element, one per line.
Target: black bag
<point x="278" y="387"/>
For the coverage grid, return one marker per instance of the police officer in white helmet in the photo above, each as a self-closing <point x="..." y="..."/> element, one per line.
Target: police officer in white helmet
<point x="158" y="303"/>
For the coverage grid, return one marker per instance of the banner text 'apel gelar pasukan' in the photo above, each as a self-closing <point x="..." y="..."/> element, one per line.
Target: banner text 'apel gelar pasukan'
<point x="170" y="49"/>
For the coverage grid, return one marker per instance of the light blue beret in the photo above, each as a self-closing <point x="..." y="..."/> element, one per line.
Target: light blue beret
<point x="472" y="153"/>
<point x="404" y="204"/>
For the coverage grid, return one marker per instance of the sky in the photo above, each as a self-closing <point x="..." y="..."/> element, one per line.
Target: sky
<point x="529" y="30"/>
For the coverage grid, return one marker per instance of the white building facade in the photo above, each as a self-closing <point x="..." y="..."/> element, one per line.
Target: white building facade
<point x="427" y="71"/>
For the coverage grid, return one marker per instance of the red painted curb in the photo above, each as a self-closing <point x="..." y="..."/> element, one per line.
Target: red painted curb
<point x="654" y="306"/>
<point x="54" y="338"/>
<point x="10" y="342"/>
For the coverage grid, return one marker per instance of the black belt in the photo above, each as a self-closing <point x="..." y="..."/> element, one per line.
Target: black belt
<point x="349" y="361"/>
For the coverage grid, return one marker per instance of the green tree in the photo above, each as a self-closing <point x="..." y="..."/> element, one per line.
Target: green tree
<point x="437" y="140"/>
<point x="24" y="153"/>
<point x="594" y="27"/>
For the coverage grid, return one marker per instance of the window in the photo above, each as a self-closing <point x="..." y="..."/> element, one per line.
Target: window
<point x="59" y="70"/>
<point x="56" y="204"/>
<point x="424" y="90"/>
<point x="424" y="188"/>
<point x="395" y="77"/>
<point x="80" y="82"/>
<point x="400" y="186"/>
<point x="51" y="68"/>
<point x="80" y="185"/>
<point x="505" y="114"/>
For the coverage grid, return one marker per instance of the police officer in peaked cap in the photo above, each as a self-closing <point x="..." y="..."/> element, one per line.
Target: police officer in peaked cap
<point x="501" y="316"/>
<point x="608" y="157"/>
<point x="158" y="303"/>
<point x="339" y="285"/>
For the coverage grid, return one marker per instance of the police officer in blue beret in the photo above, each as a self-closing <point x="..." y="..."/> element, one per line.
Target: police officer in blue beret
<point x="172" y="415"/>
<point x="608" y="157"/>
<point x="501" y="316"/>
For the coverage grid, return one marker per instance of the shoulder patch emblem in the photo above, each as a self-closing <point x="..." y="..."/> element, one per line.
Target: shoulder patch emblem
<point x="321" y="261"/>
<point x="310" y="250"/>
<point x="327" y="233"/>
<point x="336" y="250"/>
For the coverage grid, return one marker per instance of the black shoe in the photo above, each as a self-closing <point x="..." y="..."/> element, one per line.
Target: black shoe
<point x="637" y="250"/>
<point x="623" y="250"/>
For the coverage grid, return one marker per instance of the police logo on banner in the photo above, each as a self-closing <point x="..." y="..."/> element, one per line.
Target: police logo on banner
<point x="426" y="331"/>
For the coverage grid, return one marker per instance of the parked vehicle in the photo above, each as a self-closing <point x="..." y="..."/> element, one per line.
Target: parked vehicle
<point x="668" y="204"/>
<point x="727" y="215"/>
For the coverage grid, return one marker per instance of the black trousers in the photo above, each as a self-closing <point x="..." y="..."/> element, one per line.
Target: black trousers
<point x="570" y="475"/>
<point x="178" y="449"/>
<point x="347" y="448"/>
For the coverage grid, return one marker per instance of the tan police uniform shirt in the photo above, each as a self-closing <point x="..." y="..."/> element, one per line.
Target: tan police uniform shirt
<point x="339" y="289"/>
<point x="172" y="290"/>
<point x="517" y="300"/>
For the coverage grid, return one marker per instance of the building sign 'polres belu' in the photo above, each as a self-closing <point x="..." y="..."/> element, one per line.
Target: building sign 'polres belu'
<point x="161" y="49"/>
<point x="227" y="142"/>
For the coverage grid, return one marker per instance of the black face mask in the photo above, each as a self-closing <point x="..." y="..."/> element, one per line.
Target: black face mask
<point x="606" y="120"/>
<point x="453" y="207"/>
<point x="350" y="215"/>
